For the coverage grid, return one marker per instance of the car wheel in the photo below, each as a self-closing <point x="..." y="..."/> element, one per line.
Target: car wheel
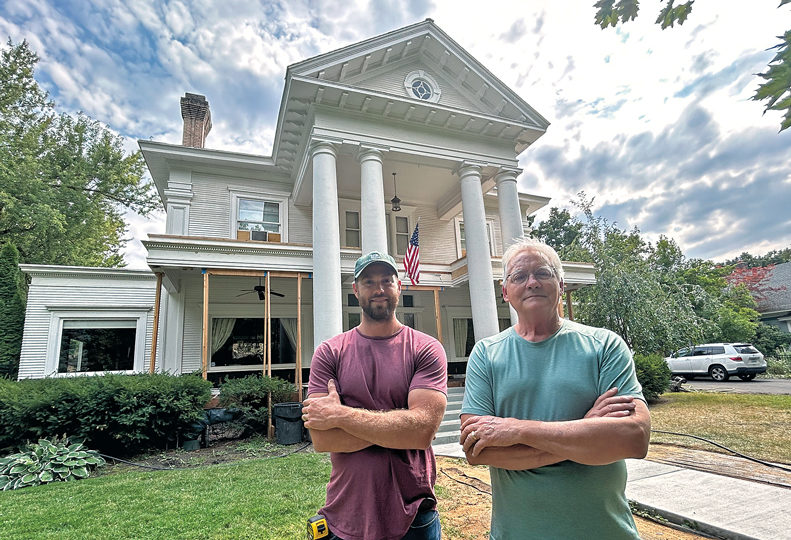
<point x="747" y="377"/>
<point x="718" y="373"/>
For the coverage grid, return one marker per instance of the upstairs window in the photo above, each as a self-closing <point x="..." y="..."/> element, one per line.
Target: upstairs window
<point x="258" y="217"/>
<point x="352" y="229"/>
<point x="461" y="243"/>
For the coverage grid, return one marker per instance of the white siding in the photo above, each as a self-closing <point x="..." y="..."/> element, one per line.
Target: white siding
<point x="52" y="293"/>
<point x="392" y="82"/>
<point x="300" y="225"/>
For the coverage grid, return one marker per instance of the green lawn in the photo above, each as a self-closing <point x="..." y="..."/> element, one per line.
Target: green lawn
<point x="754" y="424"/>
<point x="249" y="499"/>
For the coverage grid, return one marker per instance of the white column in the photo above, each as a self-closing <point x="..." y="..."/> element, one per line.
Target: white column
<point x="327" y="305"/>
<point x="479" y="262"/>
<point x="372" y="201"/>
<point x="510" y="215"/>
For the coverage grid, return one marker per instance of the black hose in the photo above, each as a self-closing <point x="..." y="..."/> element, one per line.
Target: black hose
<point x="724" y="448"/>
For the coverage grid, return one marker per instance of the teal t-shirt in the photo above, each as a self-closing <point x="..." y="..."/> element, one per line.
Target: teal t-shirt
<point x="553" y="380"/>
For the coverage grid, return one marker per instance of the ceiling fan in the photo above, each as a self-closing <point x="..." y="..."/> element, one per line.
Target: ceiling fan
<point x="260" y="289"/>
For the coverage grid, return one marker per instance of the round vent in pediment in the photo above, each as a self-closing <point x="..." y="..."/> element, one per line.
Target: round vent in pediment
<point x="420" y="85"/>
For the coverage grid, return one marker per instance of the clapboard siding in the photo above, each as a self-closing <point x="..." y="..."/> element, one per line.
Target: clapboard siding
<point x="49" y="294"/>
<point x="300" y="224"/>
<point x="392" y="82"/>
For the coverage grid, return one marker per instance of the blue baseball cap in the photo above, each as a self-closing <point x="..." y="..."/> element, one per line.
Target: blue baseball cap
<point x="371" y="258"/>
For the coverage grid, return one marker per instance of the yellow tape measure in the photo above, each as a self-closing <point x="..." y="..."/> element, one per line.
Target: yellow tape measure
<point x="317" y="527"/>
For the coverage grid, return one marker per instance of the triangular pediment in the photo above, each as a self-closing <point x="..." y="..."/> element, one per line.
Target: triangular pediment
<point x="383" y="63"/>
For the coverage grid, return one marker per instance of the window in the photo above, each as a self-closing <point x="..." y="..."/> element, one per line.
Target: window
<point x="420" y="85"/>
<point x="97" y="346"/>
<point x="258" y="216"/>
<point x="401" y="234"/>
<point x="461" y="241"/>
<point x="351" y="300"/>
<point x="100" y="340"/>
<point x="354" y="320"/>
<point x="408" y="319"/>
<point x="352" y="229"/>
<point x="238" y="342"/>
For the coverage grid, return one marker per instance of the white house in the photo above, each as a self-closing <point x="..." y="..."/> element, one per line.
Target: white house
<point x="253" y="244"/>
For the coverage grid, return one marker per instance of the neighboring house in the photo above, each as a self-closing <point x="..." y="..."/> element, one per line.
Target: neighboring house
<point x="774" y="298"/>
<point x="255" y="266"/>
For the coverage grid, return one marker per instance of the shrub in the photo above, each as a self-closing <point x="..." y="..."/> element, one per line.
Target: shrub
<point x="779" y="365"/>
<point x="116" y="414"/>
<point x="769" y="338"/>
<point x="250" y="396"/>
<point x="653" y="374"/>
<point x="47" y="462"/>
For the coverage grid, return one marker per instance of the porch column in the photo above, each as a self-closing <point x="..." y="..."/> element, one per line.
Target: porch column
<point x="510" y="215"/>
<point x="372" y="205"/>
<point x="327" y="303"/>
<point x="479" y="263"/>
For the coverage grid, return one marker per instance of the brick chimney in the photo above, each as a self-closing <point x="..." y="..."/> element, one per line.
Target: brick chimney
<point x="197" y="120"/>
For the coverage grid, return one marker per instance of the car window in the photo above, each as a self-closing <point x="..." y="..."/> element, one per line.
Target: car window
<point x="701" y="351"/>
<point x="745" y="349"/>
<point x="682" y="352"/>
<point x="716" y="350"/>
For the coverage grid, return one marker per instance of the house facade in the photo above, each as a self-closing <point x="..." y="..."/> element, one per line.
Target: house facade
<point x="254" y="268"/>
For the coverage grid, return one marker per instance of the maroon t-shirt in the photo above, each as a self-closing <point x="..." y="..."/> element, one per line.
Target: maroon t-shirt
<point x="375" y="493"/>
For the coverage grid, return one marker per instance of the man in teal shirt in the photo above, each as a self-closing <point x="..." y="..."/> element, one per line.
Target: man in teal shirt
<point x="554" y="407"/>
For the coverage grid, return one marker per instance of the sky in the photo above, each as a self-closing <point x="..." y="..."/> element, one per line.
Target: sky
<point x="656" y="127"/>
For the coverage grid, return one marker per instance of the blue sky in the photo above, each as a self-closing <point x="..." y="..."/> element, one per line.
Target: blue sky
<point x="657" y="126"/>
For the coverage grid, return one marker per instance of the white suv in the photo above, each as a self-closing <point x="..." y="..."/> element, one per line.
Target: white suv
<point x="718" y="360"/>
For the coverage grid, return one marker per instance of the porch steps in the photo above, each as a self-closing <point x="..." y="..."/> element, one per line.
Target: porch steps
<point x="450" y="428"/>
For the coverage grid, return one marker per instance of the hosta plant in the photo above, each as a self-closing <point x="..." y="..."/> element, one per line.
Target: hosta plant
<point x="46" y="462"/>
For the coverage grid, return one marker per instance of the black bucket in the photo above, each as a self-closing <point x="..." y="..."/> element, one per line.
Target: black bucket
<point x="288" y="422"/>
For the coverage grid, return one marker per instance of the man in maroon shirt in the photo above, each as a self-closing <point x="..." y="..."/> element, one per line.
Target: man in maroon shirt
<point x="376" y="397"/>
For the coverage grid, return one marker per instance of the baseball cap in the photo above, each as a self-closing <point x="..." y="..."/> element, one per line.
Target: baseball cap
<point x="374" y="257"/>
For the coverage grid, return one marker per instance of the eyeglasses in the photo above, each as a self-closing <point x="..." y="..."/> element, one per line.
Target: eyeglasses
<point x="519" y="277"/>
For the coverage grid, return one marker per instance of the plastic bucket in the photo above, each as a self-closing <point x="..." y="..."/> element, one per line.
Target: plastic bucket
<point x="288" y="422"/>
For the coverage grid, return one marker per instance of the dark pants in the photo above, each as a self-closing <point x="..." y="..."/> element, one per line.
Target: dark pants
<point x="425" y="527"/>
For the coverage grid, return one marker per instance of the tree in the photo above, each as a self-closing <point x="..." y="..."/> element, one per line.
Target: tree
<point x="64" y="180"/>
<point x="559" y="230"/>
<point x="776" y="88"/>
<point x="12" y="310"/>
<point x="776" y="256"/>
<point x="651" y="313"/>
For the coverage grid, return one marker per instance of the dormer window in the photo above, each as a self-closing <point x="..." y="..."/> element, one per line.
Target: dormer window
<point x="420" y="85"/>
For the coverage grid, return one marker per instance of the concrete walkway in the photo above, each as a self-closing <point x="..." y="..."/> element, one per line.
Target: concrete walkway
<point x="713" y="504"/>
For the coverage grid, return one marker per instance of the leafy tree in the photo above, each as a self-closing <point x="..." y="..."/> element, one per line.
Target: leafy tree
<point x="746" y="260"/>
<point x="64" y="180"/>
<point x="12" y="310"/>
<point x="737" y="317"/>
<point x="769" y="338"/>
<point x="631" y="297"/>
<point x="559" y="230"/>
<point x="776" y="88"/>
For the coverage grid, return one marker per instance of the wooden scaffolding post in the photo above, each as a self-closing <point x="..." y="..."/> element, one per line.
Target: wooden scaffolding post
<point x="298" y="374"/>
<point x="155" y="330"/>
<point x="268" y="342"/>
<point x="568" y="305"/>
<point x="205" y="338"/>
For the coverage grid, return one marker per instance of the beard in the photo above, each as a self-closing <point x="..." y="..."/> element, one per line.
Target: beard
<point x="379" y="311"/>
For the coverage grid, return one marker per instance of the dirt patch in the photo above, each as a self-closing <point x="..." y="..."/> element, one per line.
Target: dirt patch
<point x="466" y="505"/>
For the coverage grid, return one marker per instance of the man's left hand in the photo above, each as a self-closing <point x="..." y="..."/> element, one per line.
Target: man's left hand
<point x="322" y="412"/>
<point x="479" y="432"/>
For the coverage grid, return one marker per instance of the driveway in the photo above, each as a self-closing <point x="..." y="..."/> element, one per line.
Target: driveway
<point x="737" y="386"/>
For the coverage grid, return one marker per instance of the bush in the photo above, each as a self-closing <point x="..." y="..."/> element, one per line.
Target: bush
<point x="769" y="338"/>
<point x="115" y="414"/>
<point x="779" y="365"/>
<point x="47" y="462"/>
<point x="250" y="396"/>
<point x="653" y="374"/>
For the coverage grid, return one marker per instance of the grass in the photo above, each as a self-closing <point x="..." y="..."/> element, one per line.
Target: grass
<point x="261" y="499"/>
<point x="753" y="424"/>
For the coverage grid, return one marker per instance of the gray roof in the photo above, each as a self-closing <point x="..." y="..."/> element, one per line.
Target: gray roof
<point x="777" y="287"/>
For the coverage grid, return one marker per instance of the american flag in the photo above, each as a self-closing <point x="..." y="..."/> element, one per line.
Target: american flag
<point x="412" y="258"/>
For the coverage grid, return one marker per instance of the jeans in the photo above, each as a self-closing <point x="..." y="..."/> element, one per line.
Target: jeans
<point x="426" y="526"/>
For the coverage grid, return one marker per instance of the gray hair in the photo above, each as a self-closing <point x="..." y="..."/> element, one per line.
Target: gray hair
<point x="531" y="244"/>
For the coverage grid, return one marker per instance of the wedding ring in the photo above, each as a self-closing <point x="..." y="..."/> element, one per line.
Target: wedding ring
<point x="474" y="435"/>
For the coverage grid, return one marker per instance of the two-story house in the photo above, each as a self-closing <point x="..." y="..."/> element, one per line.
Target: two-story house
<point x="254" y="268"/>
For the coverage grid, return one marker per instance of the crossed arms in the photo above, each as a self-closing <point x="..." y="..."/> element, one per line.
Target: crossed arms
<point x="335" y="427"/>
<point x="616" y="427"/>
